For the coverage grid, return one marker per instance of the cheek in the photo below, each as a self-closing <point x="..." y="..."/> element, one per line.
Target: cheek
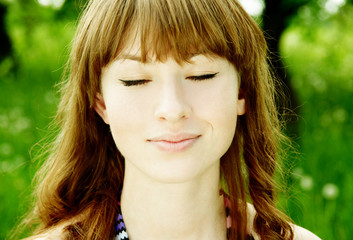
<point x="224" y="125"/>
<point x="217" y="103"/>
<point x="217" y="107"/>
<point x="126" y="117"/>
<point x="123" y="107"/>
<point x="224" y="115"/>
<point x="224" y="121"/>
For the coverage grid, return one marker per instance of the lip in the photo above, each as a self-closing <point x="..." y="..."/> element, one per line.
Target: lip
<point x="174" y="143"/>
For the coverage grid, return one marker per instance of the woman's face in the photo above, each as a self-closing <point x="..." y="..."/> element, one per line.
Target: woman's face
<point x="171" y="122"/>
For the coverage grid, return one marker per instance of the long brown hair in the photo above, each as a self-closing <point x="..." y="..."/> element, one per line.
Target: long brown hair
<point x="82" y="176"/>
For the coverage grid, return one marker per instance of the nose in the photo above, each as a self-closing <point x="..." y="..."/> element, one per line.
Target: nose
<point x="172" y="105"/>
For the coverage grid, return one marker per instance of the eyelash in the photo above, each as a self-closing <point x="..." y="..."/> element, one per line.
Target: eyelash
<point x="129" y="83"/>
<point x="202" y="77"/>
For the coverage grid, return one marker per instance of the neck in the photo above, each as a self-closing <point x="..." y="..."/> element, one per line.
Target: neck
<point x="188" y="210"/>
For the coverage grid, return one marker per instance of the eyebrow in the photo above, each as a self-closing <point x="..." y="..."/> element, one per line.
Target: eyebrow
<point x="138" y="58"/>
<point x="131" y="57"/>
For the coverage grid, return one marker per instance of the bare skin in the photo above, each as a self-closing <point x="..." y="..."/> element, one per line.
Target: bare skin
<point x="56" y="233"/>
<point x="193" y="210"/>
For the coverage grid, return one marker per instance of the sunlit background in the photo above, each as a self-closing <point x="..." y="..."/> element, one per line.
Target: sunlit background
<point x="315" y="42"/>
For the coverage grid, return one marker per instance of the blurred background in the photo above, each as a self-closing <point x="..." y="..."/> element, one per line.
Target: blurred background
<point x="312" y="49"/>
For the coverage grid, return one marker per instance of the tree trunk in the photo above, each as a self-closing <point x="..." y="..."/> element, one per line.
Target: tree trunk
<point x="275" y="20"/>
<point x="5" y="43"/>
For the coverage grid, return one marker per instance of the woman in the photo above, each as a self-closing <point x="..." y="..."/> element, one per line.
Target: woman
<point x="168" y="127"/>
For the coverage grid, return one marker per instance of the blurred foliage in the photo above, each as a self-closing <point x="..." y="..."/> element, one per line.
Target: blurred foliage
<point x="40" y="43"/>
<point x="316" y="48"/>
<point x="318" y="51"/>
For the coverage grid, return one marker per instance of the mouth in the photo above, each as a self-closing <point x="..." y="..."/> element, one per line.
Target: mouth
<point x="174" y="143"/>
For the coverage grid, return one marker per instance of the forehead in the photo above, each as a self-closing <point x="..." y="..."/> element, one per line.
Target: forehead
<point x="158" y="43"/>
<point x="137" y="50"/>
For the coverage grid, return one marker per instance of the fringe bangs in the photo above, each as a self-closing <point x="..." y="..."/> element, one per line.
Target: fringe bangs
<point x="178" y="29"/>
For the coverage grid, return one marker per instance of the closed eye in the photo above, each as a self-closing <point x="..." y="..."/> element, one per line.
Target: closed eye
<point x="202" y="77"/>
<point x="129" y="83"/>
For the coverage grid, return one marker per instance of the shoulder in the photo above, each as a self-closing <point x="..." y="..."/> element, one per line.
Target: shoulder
<point x="299" y="232"/>
<point x="57" y="231"/>
<point x="303" y="234"/>
<point x="54" y="233"/>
